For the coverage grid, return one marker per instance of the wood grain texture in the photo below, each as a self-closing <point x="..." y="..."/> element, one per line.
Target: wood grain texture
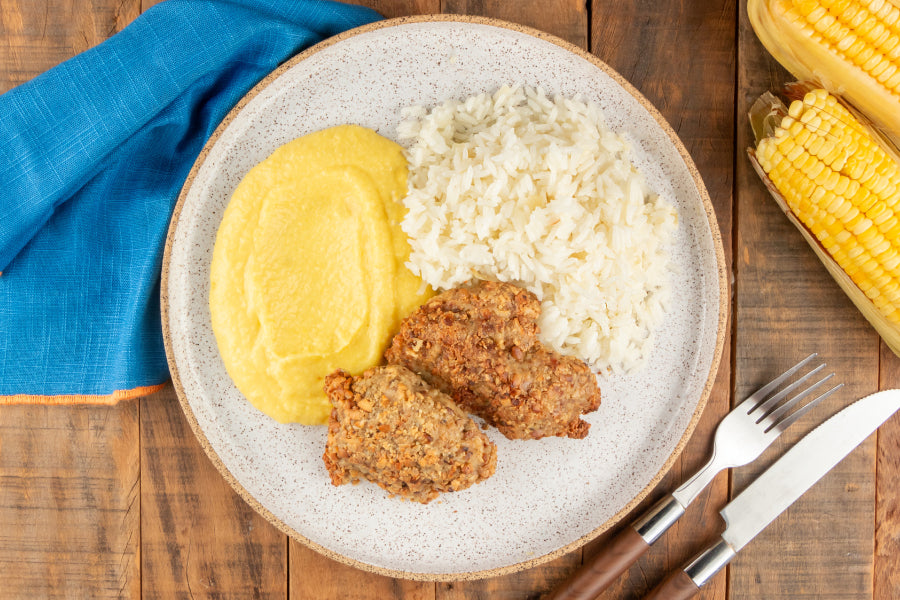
<point x="787" y="307"/>
<point x="567" y="19"/>
<point x="886" y="583"/>
<point x="525" y="585"/>
<point x="199" y="538"/>
<point x="687" y="72"/>
<point x="69" y="476"/>
<point x="79" y="518"/>
<point x="386" y="8"/>
<point x="317" y="577"/>
<point x="401" y="8"/>
<point x="69" y="502"/>
<point x="38" y="34"/>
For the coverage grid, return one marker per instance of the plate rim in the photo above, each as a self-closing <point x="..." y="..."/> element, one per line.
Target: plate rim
<point x="721" y="269"/>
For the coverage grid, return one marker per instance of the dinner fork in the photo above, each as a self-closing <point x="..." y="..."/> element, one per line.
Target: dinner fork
<point x="740" y="437"/>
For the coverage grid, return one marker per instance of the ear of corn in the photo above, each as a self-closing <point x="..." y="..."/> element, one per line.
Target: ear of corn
<point x="840" y="185"/>
<point x="849" y="46"/>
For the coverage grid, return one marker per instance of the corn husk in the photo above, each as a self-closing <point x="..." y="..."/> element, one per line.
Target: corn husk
<point x="765" y="115"/>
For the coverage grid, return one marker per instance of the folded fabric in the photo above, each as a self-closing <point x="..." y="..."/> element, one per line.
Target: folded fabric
<point x="93" y="154"/>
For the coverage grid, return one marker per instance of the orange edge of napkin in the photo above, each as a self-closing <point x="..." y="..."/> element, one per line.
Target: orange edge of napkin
<point x="113" y="398"/>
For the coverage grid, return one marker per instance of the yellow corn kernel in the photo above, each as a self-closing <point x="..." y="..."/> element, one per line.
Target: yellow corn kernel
<point x="841" y="185"/>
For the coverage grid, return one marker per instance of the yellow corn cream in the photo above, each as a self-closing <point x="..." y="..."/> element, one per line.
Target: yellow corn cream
<point x="308" y="269"/>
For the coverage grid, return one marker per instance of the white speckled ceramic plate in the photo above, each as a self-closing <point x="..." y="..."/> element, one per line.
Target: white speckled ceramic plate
<point x="548" y="496"/>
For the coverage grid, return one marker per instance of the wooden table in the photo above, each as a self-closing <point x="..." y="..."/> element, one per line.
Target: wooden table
<point x="122" y="502"/>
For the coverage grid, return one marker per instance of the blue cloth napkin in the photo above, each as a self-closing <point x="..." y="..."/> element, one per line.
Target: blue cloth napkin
<point x="93" y="154"/>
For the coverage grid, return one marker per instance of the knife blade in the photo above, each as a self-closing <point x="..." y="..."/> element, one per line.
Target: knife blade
<point x="780" y="486"/>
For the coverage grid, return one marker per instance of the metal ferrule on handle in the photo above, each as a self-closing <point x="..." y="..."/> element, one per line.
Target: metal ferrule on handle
<point x="658" y="519"/>
<point x="683" y="584"/>
<point x="710" y="562"/>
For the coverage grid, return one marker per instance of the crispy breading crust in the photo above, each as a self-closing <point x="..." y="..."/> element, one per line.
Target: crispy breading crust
<point x="388" y="426"/>
<point x="479" y="344"/>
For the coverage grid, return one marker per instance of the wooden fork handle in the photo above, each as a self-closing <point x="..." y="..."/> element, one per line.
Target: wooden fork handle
<point x="623" y="551"/>
<point x="601" y="571"/>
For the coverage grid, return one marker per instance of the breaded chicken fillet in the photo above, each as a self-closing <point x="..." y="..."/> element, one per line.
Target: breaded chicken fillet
<point x="479" y="344"/>
<point x="388" y="426"/>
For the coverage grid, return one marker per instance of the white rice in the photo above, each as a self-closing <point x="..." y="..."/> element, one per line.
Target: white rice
<point x="538" y="191"/>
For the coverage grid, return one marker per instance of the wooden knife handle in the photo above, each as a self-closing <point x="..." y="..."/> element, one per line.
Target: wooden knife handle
<point x="599" y="573"/>
<point x="686" y="582"/>
<point x="677" y="586"/>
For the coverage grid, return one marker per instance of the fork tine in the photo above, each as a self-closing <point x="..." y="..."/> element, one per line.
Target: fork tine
<point x="788" y="421"/>
<point x="774" y="415"/>
<point x="765" y="407"/>
<point x="762" y="392"/>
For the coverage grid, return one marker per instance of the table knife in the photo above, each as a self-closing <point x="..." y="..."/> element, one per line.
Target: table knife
<point x="779" y="486"/>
